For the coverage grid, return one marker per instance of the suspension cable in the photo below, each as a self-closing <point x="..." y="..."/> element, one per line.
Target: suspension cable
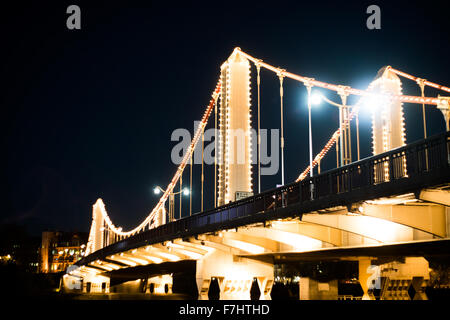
<point x="149" y="220"/>
<point x="258" y="82"/>
<point x="190" y="188"/>
<point x="328" y="145"/>
<point x="281" y="76"/>
<point x="357" y="135"/>
<point x="203" y="176"/>
<point x="425" y="82"/>
<point x="215" y="154"/>
<point x="348" y="90"/>
<point x="181" y="192"/>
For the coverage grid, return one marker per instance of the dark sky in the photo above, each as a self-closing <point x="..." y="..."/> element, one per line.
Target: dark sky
<point x="89" y="113"/>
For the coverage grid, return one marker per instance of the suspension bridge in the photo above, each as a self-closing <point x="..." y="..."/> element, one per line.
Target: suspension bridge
<point x="387" y="212"/>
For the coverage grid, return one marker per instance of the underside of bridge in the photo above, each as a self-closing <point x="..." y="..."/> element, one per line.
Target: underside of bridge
<point x="390" y="239"/>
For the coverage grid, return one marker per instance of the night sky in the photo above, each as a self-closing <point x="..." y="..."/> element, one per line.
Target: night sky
<point x="89" y="113"/>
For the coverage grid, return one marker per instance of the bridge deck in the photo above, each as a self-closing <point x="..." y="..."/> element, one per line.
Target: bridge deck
<point x="408" y="169"/>
<point x="427" y="248"/>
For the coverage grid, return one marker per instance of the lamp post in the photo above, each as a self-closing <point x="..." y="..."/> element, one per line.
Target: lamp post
<point x="316" y="98"/>
<point x="421" y="83"/>
<point x="308" y="88"/>
<point x="185" y="191"/>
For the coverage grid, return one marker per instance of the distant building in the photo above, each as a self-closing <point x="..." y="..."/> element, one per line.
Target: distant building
<point x="60" y="250"/>
<point x="18" y="247"/>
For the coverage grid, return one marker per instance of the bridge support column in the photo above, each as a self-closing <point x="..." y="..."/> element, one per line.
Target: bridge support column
<point x="95" y="284"/>
<point x="71" y="284"/>
<point x="365" y="277"/>
<point x="399" y="278"/>
<point x="235" y="276"/>
<point x="311" y="289"/>
<point x="160" y="284"/>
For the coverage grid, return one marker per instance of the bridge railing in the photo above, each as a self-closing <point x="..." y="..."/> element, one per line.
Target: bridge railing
<point x="400" y="170"/>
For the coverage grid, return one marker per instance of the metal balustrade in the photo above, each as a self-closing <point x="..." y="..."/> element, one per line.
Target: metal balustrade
<point x="402" y="170"/>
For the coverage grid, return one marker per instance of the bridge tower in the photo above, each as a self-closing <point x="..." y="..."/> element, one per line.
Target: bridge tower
<point x="99" y="236"/>
<point x="234" y="148"/>
<point x="95" y="241"/>
<point x="388" y="125"/>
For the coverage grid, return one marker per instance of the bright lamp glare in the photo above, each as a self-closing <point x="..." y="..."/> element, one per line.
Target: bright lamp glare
<point x="374" y="102"/>
<point x="316" y="98"/>
<point x="156" y="190"/>
<point x="186" y="191"/>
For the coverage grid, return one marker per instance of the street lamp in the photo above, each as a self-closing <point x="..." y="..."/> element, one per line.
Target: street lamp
<point x="374" y="101"/>
<point x="157" y="190"/>
<point x="185" y="192"/>
<point x="317" y="98"/>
